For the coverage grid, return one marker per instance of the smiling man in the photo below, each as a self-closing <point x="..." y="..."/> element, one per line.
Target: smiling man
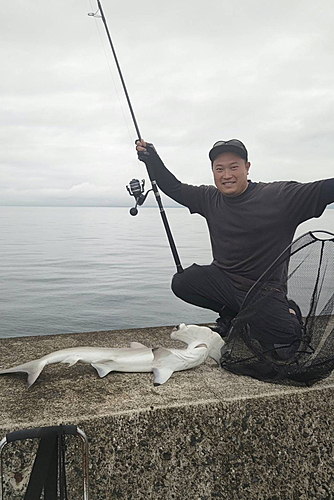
<point x="250" y="224"/>
<point x="230" y="168"/>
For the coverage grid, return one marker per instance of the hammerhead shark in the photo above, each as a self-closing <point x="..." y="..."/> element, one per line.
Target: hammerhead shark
<point x="162" y="361"/>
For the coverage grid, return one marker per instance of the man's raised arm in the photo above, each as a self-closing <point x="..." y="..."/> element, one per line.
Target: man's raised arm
<point x="327" y="192"/>
<point x="167" y="182"/>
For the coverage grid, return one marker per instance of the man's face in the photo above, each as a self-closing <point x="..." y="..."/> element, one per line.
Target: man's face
<point x="230" y="174"/>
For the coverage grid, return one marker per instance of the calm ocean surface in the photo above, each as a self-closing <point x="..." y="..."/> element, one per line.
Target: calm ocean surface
<point x="79" y="269"/>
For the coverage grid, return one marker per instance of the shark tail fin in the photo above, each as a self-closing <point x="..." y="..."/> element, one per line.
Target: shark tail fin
<point x="32" y="368"/>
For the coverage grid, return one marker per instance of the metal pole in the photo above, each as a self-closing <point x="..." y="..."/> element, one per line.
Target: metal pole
<point x="2" y="445"/>
<point x="149" y="170"/>
<point x="85" y="469"/>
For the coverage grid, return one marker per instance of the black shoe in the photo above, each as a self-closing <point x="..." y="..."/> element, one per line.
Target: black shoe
<point x="286" y="352"/>
<point x="223" y="326"/>
<point x="297" y="319"/>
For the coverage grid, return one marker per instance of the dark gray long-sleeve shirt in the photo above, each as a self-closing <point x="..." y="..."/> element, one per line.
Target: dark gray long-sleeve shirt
<point x="248" y="231"/>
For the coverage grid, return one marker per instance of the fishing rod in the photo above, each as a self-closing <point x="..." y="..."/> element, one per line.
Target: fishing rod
<point x="136" y="188"/>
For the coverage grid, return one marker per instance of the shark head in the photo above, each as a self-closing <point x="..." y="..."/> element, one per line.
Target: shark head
<point x="190" y="334"/>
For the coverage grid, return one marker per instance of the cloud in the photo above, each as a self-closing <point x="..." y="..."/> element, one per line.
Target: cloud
<point x="196" y="72"/>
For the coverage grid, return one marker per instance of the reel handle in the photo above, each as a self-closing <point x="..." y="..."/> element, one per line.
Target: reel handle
<point x="136" y="189"/>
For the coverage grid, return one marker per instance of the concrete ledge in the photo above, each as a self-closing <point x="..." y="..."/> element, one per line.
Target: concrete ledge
<point x="204" y="434"/>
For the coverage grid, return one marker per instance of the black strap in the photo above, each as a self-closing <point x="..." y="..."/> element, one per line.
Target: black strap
<point x="50" y="485"/>
<point x="44" y="471"/>
<point x="62" y="469"/>
<point x="49" y="463"/>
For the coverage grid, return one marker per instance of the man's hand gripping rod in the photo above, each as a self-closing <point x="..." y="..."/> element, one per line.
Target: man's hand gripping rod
<point x="149" y="169"/>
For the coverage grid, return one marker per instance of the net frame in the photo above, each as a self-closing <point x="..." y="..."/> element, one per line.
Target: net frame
<point x="312" y="355"/>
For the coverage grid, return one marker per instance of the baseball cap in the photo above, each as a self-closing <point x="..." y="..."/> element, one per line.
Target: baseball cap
<point x="231" y="146"/>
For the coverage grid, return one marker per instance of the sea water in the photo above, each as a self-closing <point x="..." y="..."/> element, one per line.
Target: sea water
<point x="78" y="269"/>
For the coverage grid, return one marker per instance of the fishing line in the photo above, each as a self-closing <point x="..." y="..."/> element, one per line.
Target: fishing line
<point x="136" y="189"/>
<point x="117" y="64"/>
<point x="96" y="16"/>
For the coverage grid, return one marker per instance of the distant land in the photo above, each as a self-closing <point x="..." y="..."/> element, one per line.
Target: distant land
<point x="149" y="205"/>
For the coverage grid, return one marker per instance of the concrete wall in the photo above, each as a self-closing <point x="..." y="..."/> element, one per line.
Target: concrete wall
<point x="205" y="434"/>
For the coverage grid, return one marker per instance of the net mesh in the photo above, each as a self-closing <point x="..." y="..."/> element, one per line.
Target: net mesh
<point x="303" y="273"/>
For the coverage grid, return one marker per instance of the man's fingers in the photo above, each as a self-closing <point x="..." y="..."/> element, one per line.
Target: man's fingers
<point x="141" y="145"/>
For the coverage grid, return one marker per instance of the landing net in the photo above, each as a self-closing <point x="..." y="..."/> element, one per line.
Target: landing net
<point x="304" y="272"/>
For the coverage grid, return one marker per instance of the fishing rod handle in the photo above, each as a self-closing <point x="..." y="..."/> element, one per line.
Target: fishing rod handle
<point x="156" y="192"/>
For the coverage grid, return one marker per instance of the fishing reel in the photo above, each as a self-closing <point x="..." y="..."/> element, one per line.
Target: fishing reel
<point x="136" y="189"/>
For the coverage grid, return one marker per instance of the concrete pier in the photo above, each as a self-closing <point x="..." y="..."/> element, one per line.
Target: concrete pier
<point x="205" y="434"/>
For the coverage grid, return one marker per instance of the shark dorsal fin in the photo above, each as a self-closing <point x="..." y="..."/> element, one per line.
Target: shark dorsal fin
<point x="161" y="353"/>
<point x="71" y="360"/>
<point x="137" y="345"/>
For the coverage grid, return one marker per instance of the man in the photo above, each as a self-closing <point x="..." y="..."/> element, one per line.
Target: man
<point x="250" y="224"/>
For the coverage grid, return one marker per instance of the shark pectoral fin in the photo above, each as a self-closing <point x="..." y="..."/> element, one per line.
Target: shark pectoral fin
<point x="137" y="345"/>
<point x="103" y="368"/>
<point x="162" y="372"/>
<point x="161" y="375"/>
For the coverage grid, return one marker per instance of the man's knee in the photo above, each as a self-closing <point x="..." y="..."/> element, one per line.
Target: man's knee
<point x="178" y="285"/>
<point x="188" y="282"/>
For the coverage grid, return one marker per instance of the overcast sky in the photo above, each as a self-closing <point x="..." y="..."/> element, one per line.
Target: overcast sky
<point x="197" y="71"/>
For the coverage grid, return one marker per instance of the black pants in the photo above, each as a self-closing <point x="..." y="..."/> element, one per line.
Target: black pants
<point x="211" y="288"/>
